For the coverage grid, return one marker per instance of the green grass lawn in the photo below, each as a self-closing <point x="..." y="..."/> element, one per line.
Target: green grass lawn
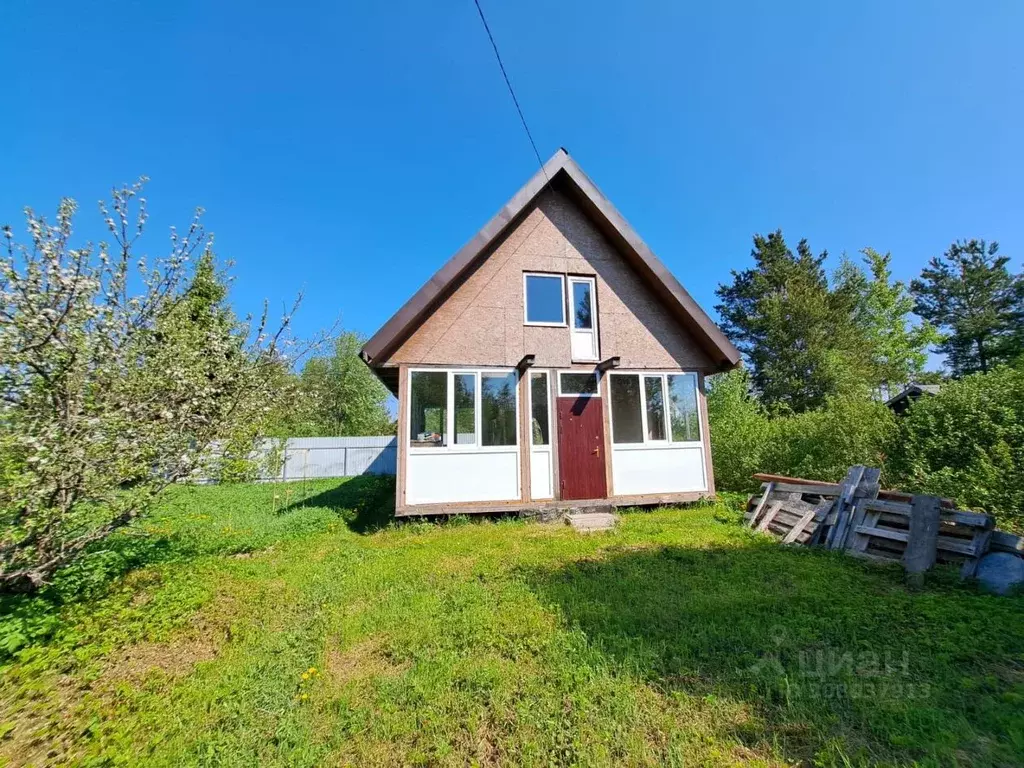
<point x="249" y="626"/>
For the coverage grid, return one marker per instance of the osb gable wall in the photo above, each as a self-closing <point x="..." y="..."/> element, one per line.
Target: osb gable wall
<point x="481" y="323"/>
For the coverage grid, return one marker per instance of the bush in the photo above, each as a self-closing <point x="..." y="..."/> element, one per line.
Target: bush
<point x="821" y="444"/>
<point x="739" y="430"/>
<point x="967" y="443"/>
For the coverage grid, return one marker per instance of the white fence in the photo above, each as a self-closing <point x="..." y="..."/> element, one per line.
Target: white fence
<point x="308" y="457"/>
<point x="303" y="458"/>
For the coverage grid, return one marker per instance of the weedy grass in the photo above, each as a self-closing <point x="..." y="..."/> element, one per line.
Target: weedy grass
<point x="243" y="625"/>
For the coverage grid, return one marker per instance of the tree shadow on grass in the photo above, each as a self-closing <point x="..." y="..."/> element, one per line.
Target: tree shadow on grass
<point x="365" y="503"/>
<point x="833" y="659"/>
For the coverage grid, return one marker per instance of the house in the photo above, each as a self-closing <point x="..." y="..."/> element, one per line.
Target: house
<point x="911" y="394"/>
<point x="553" y="361"/>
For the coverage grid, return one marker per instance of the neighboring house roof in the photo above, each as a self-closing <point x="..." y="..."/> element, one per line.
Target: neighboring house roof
<point x="913" y="391"/>
<point x="560" y="172"/>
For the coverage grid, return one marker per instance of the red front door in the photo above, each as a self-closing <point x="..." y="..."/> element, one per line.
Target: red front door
<point x="581" y="448"/>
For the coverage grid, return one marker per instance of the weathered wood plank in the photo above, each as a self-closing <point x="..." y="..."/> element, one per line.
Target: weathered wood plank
<point x="769" y="515"/>
<point x="922" y="539"/>
<point x="817" y="489"/>
<point x="943" y="542"/>
<point x="820" y="515"/>
<point x="959" y="517"/>
<point x="980" y="546"/>
<point x="1002" y="541"/>
<point x="837" y="533"/>
<point x="889" y="495"/>
<point x="751" y="517"/>
<point x="797" y="529"/>
<point x="867" y="490"/>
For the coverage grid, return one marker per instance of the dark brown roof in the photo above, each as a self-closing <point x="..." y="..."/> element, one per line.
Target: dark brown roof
<point x="560" y="172"/>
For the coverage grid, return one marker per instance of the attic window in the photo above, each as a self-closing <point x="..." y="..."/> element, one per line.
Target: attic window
<point x="544" y="297"/>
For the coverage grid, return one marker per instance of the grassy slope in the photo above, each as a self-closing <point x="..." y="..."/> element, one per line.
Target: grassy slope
<point x="308" y="636"/>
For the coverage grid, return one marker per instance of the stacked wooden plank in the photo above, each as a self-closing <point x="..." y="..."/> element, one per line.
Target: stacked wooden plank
<point x="858" y="517"/>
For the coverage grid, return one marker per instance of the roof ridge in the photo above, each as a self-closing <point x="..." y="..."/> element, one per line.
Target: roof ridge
<point x="708" y="335"/>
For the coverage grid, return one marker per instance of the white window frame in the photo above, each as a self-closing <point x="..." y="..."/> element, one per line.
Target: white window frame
<point x="571" y="316"/>
<point x="595" y="393"/>
<point x="526" y="305"/>
<point x="668" y="442"/>
<point x="541" y="450"/>
<point x="476" y="447"/>
<point x="529" y="395"/>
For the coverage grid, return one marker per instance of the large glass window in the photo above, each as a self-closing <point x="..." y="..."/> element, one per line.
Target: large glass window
<point x="428" y="409"/>
<point x="545" y="299"/>
<point x="627" y="424"/>
<point x="465" y="408"/>
<point x="582" y="305"/>
<point x="654" y="408"/>
<point x="498" y="408"/>
<point x="682" y="389"/>
<point x="655" y="403"/>
<point x="540" y="423"/>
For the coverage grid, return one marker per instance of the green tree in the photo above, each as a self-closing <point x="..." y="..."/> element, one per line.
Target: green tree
<point x="898" y="346"/>
<point x="335" y="395"/>
<point x="796" y="331"/>
<point x="970" y="294"/>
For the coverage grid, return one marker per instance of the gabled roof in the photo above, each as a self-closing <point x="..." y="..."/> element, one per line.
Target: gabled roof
<point x="562" y="173"/>
<point x="915" y="391"/>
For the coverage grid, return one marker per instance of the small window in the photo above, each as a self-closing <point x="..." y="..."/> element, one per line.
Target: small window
<point x="428" y="417"/>
<point x="627" y="423"/>
<point x="584" y="384"/>
<point x="465" y="408"/>
<point x="540" y="424"/>
<point x="545" y="299"/>
<point x="498" y="409"/>
<point x="582" y="305"/>
<point x="655" y="404"/>
<point x="682" y="395"/>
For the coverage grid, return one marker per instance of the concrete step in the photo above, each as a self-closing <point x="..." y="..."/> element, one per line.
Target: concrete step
<point x="587" y="522"/>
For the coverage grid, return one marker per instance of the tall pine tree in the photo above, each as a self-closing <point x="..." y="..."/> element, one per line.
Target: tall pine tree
<point x="970" y="294"/>
<point x="798" y="334"/>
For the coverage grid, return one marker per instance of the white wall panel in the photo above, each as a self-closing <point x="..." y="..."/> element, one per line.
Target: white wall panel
<point x="540" y="474"/>
<point x="448" y="476"/>
<point x="646" y="470"/>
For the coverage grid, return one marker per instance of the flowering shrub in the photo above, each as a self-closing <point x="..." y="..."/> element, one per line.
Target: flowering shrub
<point x="117" y="372"/>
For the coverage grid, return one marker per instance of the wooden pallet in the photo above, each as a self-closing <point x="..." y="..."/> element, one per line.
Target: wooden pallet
<point x="857" y="517"/>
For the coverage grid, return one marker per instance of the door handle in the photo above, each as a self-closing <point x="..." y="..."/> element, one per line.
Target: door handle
<point x="596" y="452"/>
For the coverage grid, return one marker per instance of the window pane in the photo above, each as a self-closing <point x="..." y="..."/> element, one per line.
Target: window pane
<point x="627" y="426"/>
<point x="654" y="392"/>
<point x="682" y="395"/>
<point x="465" y="408"/>
<point x="578" y="383"/>
<point x="539" y="422"/>
<point x="581" y="304"/>
<point x="427" y="409"/>
<point x="498" y="408"/>
<point x="544" y="300"/>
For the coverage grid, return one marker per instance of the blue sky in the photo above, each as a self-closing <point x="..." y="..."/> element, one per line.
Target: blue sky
<point x="347" y="150"/>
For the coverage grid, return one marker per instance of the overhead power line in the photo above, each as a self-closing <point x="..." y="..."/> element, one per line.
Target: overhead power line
<point x="508" y="82"/>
